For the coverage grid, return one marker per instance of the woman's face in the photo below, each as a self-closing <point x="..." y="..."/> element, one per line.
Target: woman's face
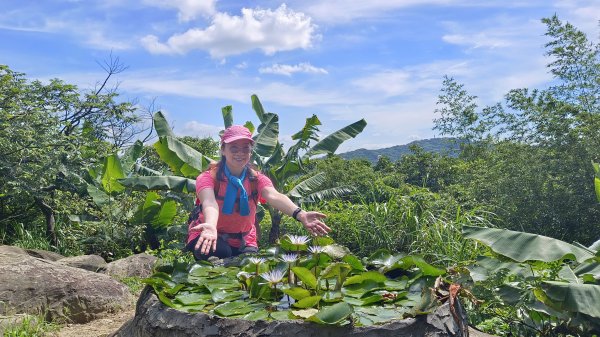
<point x="237" y="154"/>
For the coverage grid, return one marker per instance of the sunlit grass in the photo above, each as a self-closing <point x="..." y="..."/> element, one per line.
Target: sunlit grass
<point x="419" y="224"/>
<point x="29" y="326"/>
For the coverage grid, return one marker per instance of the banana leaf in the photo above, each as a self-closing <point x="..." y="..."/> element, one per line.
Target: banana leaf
<point x="227" y="113"/>
<point x="155" y="211"/>
<point x="111" y="173"/>
<point x="330" y="143"/>
<point x="131" y="154"/>
<point x="258" y="108"/>
<point x="161" y="126"/>
<point x="266" y="138"/>
<point x="169" y="183"/>
<point x="597" y="179"/>
<point x="181" y="158"/>
<point x="583" y="298"/>
<point x="100" y="198"/>
<point x="523" y="247"/>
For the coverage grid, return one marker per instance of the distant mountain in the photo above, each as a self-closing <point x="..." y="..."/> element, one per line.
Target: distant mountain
<point x="437" y="145"/>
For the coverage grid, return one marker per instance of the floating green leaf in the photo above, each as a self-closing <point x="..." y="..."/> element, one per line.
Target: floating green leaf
<point x="257" y="315"/>
<point x="237" y="308"/>
<point x="297" y="293"/>
<point x="354" y="262"/>
<point x="370" y="275"/>
<point x="307" y="302"/>
<point x="334" y="314"/>
<point x="374" y="298"/>
<point x="306" y="276"/>
<point x="281" y="315"/>
<point x="187" y="298"/>
<point x="220" y="295"/>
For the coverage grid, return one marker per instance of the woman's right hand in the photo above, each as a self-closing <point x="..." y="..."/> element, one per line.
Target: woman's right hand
<point x="207" y="241"/>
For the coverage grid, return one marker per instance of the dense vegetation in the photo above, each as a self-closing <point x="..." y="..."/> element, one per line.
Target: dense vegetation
<point x="77" y="176"/>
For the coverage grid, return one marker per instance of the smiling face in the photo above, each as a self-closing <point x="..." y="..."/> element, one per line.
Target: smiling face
<point x="237" y="155"/>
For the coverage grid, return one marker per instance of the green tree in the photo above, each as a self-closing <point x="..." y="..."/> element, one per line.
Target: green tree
<point x="49" y="134"/>
<point x="533" y="151"/>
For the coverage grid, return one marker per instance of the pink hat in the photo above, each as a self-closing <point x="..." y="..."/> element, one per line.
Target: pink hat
<point x="236" y="132"/>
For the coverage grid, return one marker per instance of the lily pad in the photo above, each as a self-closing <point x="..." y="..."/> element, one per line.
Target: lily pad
<point x="220" y="295"/>
<point x="334" y="314"/>
<point x="237" y="308"/>
<point x="307" y="302"/>
<point x="193" y="298"/>
<point x="297" y="293"/>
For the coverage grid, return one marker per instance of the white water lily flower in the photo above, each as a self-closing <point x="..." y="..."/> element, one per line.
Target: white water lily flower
<point x="257" y="260"/>
<point x="298" y="239"/>
<point x="244" y="275"/>
<point x="316" y="249"/>
<point x="289" y="258"/>
<point x="273" y="276"/>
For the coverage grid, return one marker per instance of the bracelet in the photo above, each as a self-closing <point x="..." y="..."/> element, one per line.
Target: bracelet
<point x="296" y="212"/>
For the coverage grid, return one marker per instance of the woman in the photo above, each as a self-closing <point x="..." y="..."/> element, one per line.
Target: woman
<point x="226" y="226"/>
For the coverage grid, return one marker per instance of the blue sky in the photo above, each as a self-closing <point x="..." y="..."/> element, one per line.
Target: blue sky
<point x="382" y="60"/>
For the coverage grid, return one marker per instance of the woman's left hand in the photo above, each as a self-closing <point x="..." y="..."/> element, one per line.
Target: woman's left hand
<point x="313" y="222"/>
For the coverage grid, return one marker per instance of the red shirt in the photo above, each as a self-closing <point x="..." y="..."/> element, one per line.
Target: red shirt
<point x="231" y="223"/>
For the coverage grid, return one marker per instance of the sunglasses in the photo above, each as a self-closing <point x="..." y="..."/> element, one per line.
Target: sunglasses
<point x="243" y="149"/>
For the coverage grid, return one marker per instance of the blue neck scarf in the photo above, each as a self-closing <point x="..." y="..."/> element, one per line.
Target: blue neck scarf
<point x="234" y="184"/>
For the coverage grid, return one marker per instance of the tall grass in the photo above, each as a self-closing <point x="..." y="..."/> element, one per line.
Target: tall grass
<point x="421" y="223"/>
<point x="34" y="238"/>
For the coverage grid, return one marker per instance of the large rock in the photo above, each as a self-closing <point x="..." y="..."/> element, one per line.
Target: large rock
<point x="152" y="318"/>
<point x="33" y="285"/>
<point x="44" y="254"/>
<point x="93" y="263"/>
<point x="139" y="265"/>
<point x="13" y="250"/>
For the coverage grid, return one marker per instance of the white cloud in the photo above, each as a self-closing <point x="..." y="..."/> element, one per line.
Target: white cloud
<point x="288" y="70"/>
<point x="347" y="10"/>
<point x="197" y="129"/>
<point x="498" y="33"/>
<point x="264" y="29"/>
<point x="98" y="40"/>
<point x="188" y="9"/>
<point x="478" y="40"/>
<point x="410" y="80"/>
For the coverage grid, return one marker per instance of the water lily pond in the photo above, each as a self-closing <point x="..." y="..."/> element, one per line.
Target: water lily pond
<point x="313" y="280"/>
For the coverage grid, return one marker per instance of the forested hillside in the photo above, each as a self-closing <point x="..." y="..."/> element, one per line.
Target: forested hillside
<point x="445" y="146"/>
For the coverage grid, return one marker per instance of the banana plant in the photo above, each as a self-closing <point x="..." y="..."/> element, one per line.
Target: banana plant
<point x="104" y="186"/>
<point x="283" y="167"/>
<point x="545" y="278"/>
<point x="185" y="163"/>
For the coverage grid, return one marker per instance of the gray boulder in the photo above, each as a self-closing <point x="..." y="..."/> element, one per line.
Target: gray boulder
<point x="152" y="318"/>
<point x="13" y="250"/>
<point x="32" y="285"/>
<point x="93" y="263"/>
<point x="44" y="254"/>
<point x="139" y="265"/>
